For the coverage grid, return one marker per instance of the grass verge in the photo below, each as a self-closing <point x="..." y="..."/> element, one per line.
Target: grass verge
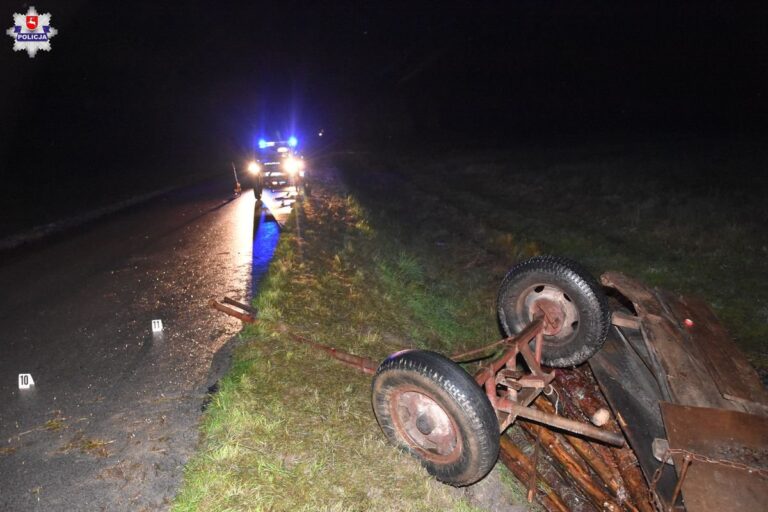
<point x="290" y="429"/>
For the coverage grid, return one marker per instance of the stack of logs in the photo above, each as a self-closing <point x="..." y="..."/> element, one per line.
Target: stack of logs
<point x="572" y="473"/>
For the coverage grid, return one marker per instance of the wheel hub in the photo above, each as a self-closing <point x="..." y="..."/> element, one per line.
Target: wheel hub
<point x="553" y="315"/>
<point x="423" y="423"/>
<point x="559" y="312"/>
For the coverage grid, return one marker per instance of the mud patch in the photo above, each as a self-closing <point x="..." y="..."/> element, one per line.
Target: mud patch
<point x="124" y="471"/>
<point x="7" y="450"/>
<point x="86" y="445"/>
<point x="212" y="390"/>
<point x="57" y="423"/>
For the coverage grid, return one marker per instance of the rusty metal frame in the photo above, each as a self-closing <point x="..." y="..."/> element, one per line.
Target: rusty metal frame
<point x="511" y="391"/>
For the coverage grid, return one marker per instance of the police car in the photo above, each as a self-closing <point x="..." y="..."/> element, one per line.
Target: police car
<point x="278" y="165"/>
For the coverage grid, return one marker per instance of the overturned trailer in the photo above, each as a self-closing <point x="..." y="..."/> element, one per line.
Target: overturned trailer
<point x="679" y="417"/>
<point x="689" y="404"/>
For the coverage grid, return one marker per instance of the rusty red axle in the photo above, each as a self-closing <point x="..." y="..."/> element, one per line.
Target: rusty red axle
<point x="363" y="364"/>
<point x="510" y="390"/>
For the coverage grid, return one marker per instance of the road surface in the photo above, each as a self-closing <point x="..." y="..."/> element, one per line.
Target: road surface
<point x="280" y="202"/>
<point x="113" y="414"/>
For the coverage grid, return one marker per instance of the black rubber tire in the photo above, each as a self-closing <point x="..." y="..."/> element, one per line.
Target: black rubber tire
<point x="551" y="274"/>
<point x="458" y="401"/>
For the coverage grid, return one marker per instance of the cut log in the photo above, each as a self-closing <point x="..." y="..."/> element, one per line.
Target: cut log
<point x="633" y="477"/>
<point x="604" y="467"/>
<point x="520" y="466"/>
<point x="575" y="467"/>
<point x="550" y="472"/>
<point x="580" y="384"/>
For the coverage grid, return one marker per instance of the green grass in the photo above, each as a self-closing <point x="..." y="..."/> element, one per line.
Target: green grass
<point x="411" y="256"/>
<point x="689" y="218"/>
<point x="291" y="429"/>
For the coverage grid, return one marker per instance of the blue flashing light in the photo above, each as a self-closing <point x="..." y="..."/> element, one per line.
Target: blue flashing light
<point x="262" y="143"/>
<point x="292" y="141"/>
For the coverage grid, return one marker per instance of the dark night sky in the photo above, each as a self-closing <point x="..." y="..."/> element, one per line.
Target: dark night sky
<point x="131" y="83"/>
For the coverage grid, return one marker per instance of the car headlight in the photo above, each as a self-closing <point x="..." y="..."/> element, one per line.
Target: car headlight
<point x="293" y="165"/>
<point x="254" y="168"/>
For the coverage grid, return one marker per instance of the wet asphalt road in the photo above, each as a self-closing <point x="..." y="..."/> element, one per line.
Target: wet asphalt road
<point x="113" y="414"/>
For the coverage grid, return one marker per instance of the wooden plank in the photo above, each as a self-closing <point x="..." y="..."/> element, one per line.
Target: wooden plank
<point x="720" y="435"/>
<point x="687" y="376"/>
<point x="642" y="296"/>
<point x="623" y="319"/>
<point x="679" y="367"/>
<point x="736" y="379"/>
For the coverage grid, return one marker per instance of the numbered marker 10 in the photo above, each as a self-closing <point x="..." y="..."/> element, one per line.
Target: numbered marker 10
<point x="25" y="381"/>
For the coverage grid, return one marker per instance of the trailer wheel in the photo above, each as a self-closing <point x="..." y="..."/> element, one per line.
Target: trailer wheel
<point x="430" y="407"/>
<point x="568" y="296"/>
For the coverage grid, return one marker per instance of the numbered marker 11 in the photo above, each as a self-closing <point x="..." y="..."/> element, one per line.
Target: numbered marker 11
<point x="25" y="381"/>
<point x="157" y="326"/>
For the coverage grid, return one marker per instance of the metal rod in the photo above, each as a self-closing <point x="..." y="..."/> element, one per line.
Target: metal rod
<point x="679" y="485"/>
<point x="570" y="425"/>
<point x="525" y="336"/>
<point x="529" y="331"/>
<point x="539" y="343"/>
<point x="363" y="364"/>
<point x="244" y="307"/>
<point x="462" y="355"/>
<point x="231" y="312"/>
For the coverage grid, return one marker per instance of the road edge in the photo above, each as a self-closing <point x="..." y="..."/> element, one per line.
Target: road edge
<point x="42" y="231"/>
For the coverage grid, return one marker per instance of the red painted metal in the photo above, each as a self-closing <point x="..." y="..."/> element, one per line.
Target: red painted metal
<point x="245" y="317"/>
<point x="363" y="364"/>
<point x="511" y="391"/>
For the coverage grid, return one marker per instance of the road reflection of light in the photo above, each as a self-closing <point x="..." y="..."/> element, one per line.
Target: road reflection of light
<point x="266" y="234"/>
<point x="280" y="201"/>
<point x="256" y="236"/>
<point x="243" y="230"/>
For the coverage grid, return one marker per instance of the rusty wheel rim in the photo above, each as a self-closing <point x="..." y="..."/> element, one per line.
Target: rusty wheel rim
<point x="425" y="426"/>
<point x="561" y="317"/>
